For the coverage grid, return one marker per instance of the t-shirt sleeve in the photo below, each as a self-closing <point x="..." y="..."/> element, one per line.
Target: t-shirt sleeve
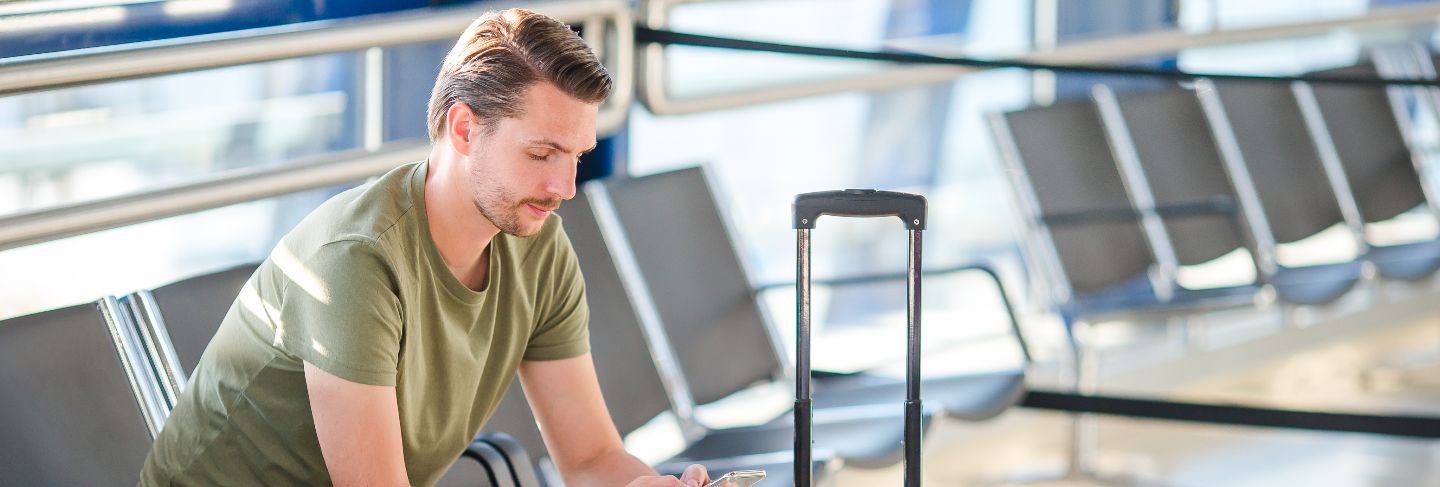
<point x="340" y="312"/>
<point x="564" y="318"/>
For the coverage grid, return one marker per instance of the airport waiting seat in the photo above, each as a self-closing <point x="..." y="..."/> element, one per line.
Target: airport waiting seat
<point x="1099" y="253"/>
<point x="192" y="309"/>
<point x="1170" y="164"/>
<point x="1280" y="180"/>
<point x="1374" y="156"/>
<point x="709" y="309"/>
<point x="71" y="411"/>
<point x="1099" y="240"/>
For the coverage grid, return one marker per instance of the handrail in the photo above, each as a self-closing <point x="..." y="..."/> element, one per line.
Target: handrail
<point x="48" y="71"/>
<point x="652" y="82"/>
<point x="976" y="266"/>
<point x="222" y="189"/>
<point x="39" y="72"/>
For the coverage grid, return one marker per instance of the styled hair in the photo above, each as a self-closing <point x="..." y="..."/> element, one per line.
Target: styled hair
<point x="504" y="53"/>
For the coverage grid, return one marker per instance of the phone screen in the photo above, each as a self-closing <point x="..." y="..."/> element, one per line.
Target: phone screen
<point x="738" y="478"/>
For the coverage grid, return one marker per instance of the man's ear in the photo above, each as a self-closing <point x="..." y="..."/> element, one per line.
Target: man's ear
<point x="458" y="121"/>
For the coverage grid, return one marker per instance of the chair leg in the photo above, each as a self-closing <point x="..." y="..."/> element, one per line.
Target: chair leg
<point x="1083" y="434"/>
<point x="1086" y="380"/>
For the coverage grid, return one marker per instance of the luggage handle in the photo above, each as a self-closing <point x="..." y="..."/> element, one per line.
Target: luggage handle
<point x="856" y="203"/>
<point x="910" y="208"/>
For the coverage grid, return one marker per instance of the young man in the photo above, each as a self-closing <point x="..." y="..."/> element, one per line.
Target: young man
<point x="383" y="330"/>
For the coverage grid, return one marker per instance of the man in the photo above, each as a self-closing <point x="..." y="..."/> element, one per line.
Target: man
<point x="383" y="330"/>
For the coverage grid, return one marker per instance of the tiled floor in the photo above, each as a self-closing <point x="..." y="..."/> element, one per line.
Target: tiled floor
<point x="1358" y="357"/>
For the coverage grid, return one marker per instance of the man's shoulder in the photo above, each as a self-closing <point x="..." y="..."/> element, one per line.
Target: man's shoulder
<point x="369" y="214"/>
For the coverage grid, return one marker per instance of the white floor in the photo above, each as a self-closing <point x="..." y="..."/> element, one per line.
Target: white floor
<point x="1355" y="357"/>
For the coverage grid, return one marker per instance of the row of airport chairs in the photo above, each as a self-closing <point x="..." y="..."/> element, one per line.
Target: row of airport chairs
<point x="86" y="391"/>
<point x="1123" y="190"/>
<point x="75" y="378"/>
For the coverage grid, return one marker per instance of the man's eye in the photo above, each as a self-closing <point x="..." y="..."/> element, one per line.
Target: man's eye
<point x="537" y="157"/>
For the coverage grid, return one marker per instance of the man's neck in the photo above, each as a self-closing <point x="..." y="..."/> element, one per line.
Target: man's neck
<point x="461" y="233"/>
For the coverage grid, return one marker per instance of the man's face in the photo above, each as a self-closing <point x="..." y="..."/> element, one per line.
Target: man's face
<point x="526" y="167"/>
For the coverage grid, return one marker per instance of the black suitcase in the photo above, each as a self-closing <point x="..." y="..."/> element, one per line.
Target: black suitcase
<point x="910" y="208"/>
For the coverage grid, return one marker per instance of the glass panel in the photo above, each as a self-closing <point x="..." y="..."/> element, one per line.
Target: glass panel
<point x="147" y="255"/>
<point x="941" y="27"/>
<point x="764" y="155"/>
<point x="1207" y="15"/>
<point x="76" y="144"/>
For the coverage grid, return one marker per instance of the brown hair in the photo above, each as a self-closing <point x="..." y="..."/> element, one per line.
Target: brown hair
<point x="501" y="55"/>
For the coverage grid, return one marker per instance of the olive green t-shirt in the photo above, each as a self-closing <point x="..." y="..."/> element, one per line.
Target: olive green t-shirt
<point x="358" y="289"/>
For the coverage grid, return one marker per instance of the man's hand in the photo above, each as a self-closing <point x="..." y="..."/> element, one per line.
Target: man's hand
<point x="694" y="476"/>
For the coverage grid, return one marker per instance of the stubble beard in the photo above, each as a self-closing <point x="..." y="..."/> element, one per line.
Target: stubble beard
<point x="495" y="204"/>
<point x="506" y="221"/>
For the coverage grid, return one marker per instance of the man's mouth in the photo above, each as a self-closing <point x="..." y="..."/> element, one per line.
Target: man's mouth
<point x="540" y="211"/>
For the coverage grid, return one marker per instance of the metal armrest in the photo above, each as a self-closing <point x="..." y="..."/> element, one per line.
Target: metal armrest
<point x="495" y="463"/>
<point x="1218" y="205"/>
<point x="982" y="267"/>
<point x="522" y="469"/>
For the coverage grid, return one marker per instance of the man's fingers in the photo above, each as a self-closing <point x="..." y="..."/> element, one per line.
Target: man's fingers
<point x="695" y="475"/>
<point x="660" y="481"/>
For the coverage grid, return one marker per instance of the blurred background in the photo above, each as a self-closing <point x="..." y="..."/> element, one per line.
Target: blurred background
<point x="129" y="130"/>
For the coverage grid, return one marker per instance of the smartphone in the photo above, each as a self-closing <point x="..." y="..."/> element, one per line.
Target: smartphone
<point x="738" y="478"/>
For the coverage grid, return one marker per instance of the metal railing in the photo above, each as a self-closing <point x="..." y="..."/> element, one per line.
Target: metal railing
<point x="608" y="26"/>
<point x="144" y="59"/>
<point x="602" y="20"/>
<point x="653" y="84"/>
<point x="222" y="189"/>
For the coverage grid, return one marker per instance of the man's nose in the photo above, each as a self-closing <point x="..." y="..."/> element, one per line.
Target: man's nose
<point x="562" y="184"/>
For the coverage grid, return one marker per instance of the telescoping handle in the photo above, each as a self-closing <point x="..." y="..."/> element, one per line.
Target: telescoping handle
<point x="856" y="203"/>
<point x="860" y="203"/>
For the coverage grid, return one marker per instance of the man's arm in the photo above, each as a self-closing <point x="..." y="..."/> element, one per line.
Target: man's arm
<point x="358" y="426"/>
<point x="565" y="397"/>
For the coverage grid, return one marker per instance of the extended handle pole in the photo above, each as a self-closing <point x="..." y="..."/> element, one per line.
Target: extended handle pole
<point x="802" y="360"/>
<point x="913" y="406"/>
<point x="808" y="207"/>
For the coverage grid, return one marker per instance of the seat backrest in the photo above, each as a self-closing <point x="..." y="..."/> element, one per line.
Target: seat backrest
<point x="193" y="308"/>
<point x="691" y="267"/>
<point x="1062" y="165"/>
<point x="1181" y="165"/>
<point x="69" y="414"/>
<point x="1371" y="146"/>
<point x="634" y="390"/>
<point x="1277" y="155"/>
